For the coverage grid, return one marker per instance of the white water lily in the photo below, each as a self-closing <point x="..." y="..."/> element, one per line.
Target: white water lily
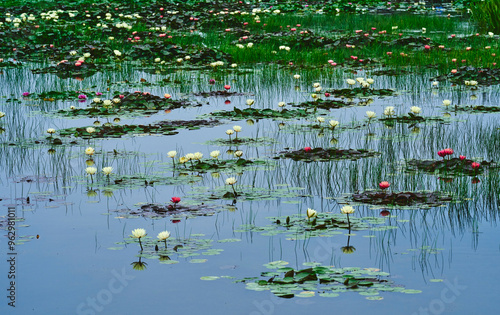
<point x="237" y="128"/>
<point x="320" y="119"/>
<point x="138" y="233"/>
<point x="281" y="104"/>
<point x="370" y="81"/>
<point x="91" y="170"/>
<point x="215" y="154"/>
<point x="296" y="76"/>
<point x="89" y="151"/>
<point x="190" y="156"/>
<point x="250" y="102"/>
<point x="415" y="109"/>
<point x="333" y="123"/>
<point x="315" y="85"/>
<point x="347" y="210"/>
<point x="238" y="153"/>
<point x="370" y="114"/>
<point x="51" y="131"/>
<point x="197" y="156"/>
<point x="311" y="213"/>
<point x="389" y="111"/>
<point x="172" y="154"/>
<point x="107" y="103"/>
<point x="229" y="132"/>
<point x="107" y="170"/>
<point x="163" y="235"/>
<point x="231" y="181"/>
<point x="446" y="102"/>
<point x="2" y="114"/>
<point x="350" y="81"/>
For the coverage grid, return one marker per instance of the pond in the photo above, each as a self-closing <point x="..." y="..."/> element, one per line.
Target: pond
<point x="320" y="168"/>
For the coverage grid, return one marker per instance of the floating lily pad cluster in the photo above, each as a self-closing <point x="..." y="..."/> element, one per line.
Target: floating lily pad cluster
<point x="298" y="227"/>
<point x="166" y="128"/>
<point x="323" y="155"/>
<point x="260" y="141"/>
<point x="67" y="69"/>
<point x="406" y="198"/>
<point x="155" y="210"/>
<point x="219" y="93"/>
<point x="452" y="166"/>
<point x="188" y="248"/>
<point x="244" y="192"/>
<point x="257" y="113"/>
<point x="218" y="165"/>
<point x="410" y="118"/>
<point x="326" y="104"/>
<point x="477" y="109"/>
<point x="325" y="281"/>
<point x="361" y="92"/>
<point x="483" y="76"/>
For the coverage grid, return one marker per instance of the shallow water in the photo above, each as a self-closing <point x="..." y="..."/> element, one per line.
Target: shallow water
<point x="70" y="268"/>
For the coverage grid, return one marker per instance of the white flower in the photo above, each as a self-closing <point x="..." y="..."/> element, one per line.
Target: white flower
<point x="107" y="103"/>
<point x="333" y="123"/>
<point x="91" y="170"/>
<point x="435" y="83"/>
<point x="370" y="114"/>
<point x="350" y="81"/>
<point x="187" y="57"/>
<point x="250" y="45"/>
<point x="296" y="76"/>
<point x="157" y="59"/>
<point x="281" y="47"/>
<point x="369" y="81"/>
<point x="233" y="65"/>
<point x="86" y="55"/>
<point x="231" y="181"/>
<point x="179" y="60"/>
<point x="240" y="46"/>
<point x="190" y="156"/>
<point x="318" y="89"/>
<point x="281" y="104"/>
<point x="198" y="156"/>
<point x="89" y="151"/>
<point x="315" y="85"/>
<point x="347" y="210"/>
<point x="90" y="129"/>
<point x="311" y="213"/>
<point x="238" y="153"/>
<point x="415" y="109"/>
<point x="138" y="233"/>
<point x="172" y="154"/>
<point x="116" y="100"/>
<point x="237" y="128"/>
<point x="389" y="111"/>
<point x="163" y="235"/>
<point x="320" y="119"/>
<point x="229" y="132"/>
<point x="215" y="154"/>
<point x="72" y="53"/>
<point x="51" y="131"/>
<point x="473" y="82"/>
<point x="446" y="102"/>
<point x="96" y="100"/>
<point x="2" y="114"/>
<point x="107" y="170"/>
<point x="250" y="102"/>
<point x="117" y="53"/>
<point x="360" y="80"/>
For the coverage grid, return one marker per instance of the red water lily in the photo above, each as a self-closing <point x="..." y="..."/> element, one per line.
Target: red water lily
<point x="176" y="199"/>
<point x="384" y="185"/>
<point x="307" y="149"/>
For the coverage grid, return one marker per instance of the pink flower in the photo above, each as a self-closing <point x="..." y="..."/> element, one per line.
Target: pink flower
<point x="475" y="165"/>
<point x="176" y="199"/>
<point x="98" y="93"/>
<point x="462" y="157"/>
<point x="389" y="53"/>
<point x="293" y="29"/>
<point x="454" y="71"/>
<point x="227" y="86"/>
<point x="82" y="96"/>
<point x="327" y="94"/>
<point x="468" y="48"/>
<point x="307" y="149"/>
<point x="427" y="47"/>
<point x="384" y="185"/>
<point x="448" y="151"/>
<point x="453" y="35"/>
<point x="211" y="81"/>
<point x="26" y="94"/>
<point x="354" y="57"/>
<point x="442" y="153"/>
<point x="121" y="96"/>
